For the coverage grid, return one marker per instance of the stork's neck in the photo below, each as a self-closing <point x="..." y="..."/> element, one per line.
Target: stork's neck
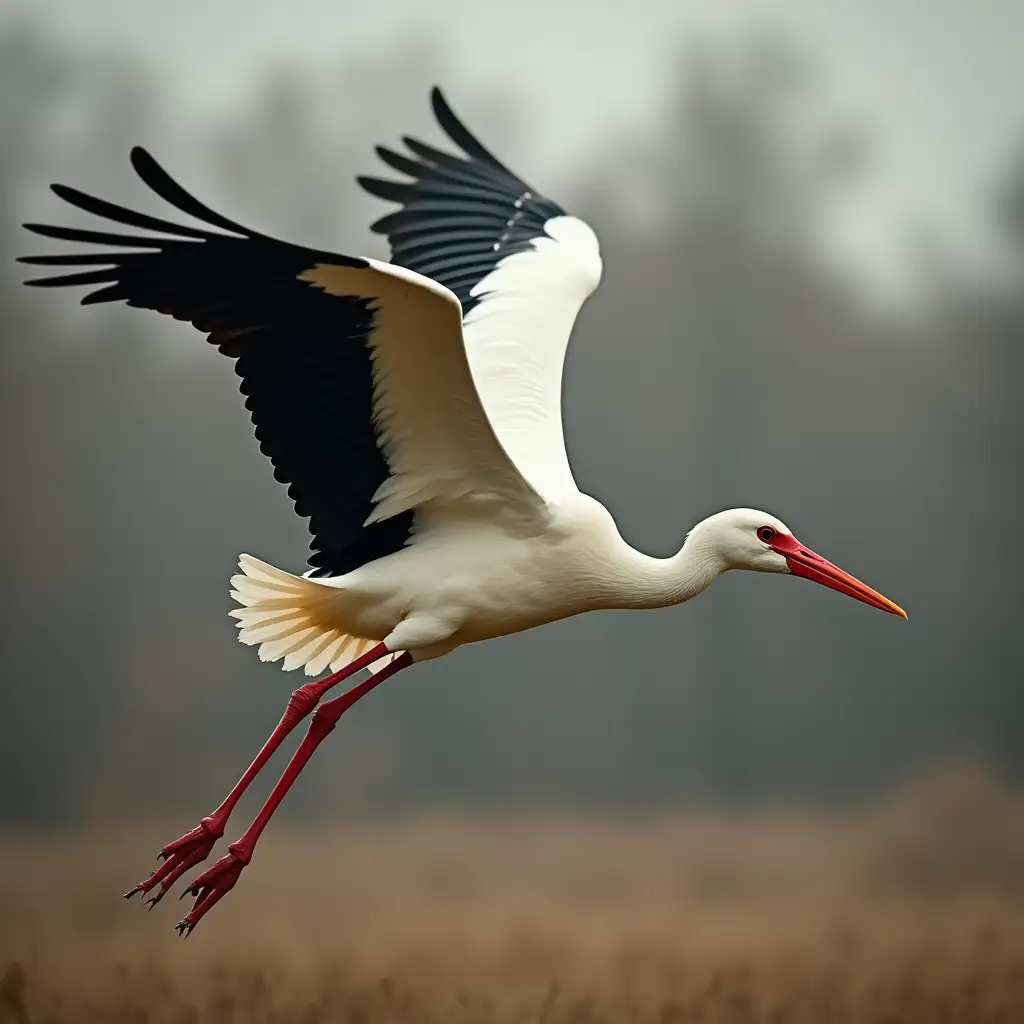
<point x="647" y="582"/>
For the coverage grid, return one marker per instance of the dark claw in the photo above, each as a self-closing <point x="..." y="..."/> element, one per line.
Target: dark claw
<point x="184" y="928"/>
<point x="176" y="858"/>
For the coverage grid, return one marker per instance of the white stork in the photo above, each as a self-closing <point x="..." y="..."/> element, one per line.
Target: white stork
<point x="413" y="408"/>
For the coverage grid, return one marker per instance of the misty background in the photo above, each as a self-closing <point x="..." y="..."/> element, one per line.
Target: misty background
<point x="812" y="226"/>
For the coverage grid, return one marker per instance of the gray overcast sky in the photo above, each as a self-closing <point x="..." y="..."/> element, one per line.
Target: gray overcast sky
<point x="940" y="81"/>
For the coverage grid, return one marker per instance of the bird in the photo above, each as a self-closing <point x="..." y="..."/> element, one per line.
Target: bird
<point x="413" y="409"/>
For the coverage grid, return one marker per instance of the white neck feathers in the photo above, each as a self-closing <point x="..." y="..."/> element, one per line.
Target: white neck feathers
<point x="636" y="580"/>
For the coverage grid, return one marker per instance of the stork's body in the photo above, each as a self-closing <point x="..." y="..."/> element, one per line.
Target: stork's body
<point x="494" y="582"/>
<point x="414" y="410"/>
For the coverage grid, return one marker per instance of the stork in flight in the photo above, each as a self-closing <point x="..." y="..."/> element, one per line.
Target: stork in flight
<point x="413" y="408"/>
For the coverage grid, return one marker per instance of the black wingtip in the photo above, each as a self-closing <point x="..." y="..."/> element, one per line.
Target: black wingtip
<point x="392" y="191"/>
<point x="103" y="276"/>
<point x="122" y="215"/>
<point x="143" y="162"/>
<point x="439" y="105"/>
<point x="401" y="163"/>
<point x="460" y="134"/>
<point x="140" y="159"/>
<point x="150" y="171"/>
<point x="71" y="259"/>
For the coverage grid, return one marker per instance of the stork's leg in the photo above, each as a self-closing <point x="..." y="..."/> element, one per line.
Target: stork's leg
<point x="212" y="884"/>
<point x="195" y="846"/>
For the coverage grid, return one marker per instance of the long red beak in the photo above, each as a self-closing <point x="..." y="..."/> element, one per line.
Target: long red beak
<point x="804" y="562"/>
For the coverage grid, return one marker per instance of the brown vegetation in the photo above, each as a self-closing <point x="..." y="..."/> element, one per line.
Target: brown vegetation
<point x="915" y="913"/>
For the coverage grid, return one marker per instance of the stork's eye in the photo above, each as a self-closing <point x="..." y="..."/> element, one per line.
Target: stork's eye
<point x="766" y="533"/>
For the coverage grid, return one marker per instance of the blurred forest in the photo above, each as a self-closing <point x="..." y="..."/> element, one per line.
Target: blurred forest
<point x="724" y="361"/>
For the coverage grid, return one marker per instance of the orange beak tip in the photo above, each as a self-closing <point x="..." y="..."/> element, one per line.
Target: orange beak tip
<point x="805" y="563"/>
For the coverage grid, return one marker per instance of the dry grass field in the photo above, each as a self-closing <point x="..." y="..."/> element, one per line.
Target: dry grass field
<point x="912" y="913"/>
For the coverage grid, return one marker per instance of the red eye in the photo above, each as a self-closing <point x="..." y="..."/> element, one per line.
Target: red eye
<point x="766" y="533"/>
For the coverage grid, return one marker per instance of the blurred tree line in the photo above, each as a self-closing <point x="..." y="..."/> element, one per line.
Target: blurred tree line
<point x="724" y="361"/>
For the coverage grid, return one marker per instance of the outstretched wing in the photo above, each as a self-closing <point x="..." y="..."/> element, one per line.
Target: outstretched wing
<point x="354" y="371"/>
<point x="521" y="268"/>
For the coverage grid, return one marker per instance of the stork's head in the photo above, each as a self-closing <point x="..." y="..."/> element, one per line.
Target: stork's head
<point x="744" y="538"/>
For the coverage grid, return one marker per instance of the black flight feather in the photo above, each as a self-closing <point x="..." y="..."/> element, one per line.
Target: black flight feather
<point x="472" y="198"/>
<point x="301" y="353"/>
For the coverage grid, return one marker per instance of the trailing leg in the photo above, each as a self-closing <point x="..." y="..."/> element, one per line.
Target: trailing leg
<point x="195" y="846"/>
<point x="209" y="887"/>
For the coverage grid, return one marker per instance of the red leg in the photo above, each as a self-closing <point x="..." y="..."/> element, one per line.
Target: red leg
<point x="195" y="846"/>
<point x="211" y="885"/>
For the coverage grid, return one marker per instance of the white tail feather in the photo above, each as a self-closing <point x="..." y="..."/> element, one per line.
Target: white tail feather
<point x="289" y="617"/>
<point x="275" y="631"/>
<point x="319" y="662"/>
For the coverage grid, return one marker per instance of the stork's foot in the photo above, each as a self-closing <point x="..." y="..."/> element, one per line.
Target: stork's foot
<point x="212" y="885"/>
<point x="184" y="853"/>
